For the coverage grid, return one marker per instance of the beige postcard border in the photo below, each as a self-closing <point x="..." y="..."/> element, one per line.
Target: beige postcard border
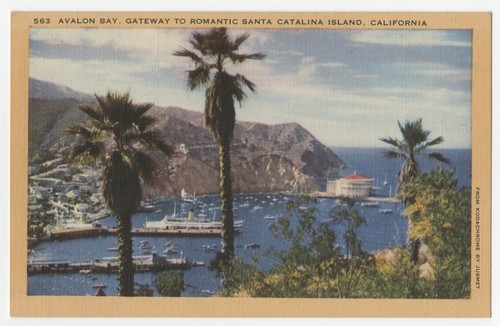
<point x="479" y="305"/>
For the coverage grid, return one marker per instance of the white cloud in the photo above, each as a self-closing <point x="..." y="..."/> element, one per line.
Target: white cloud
<point x="153" y="44"/>
<point x="408" y="38"/>
<point x="307" y="60"/>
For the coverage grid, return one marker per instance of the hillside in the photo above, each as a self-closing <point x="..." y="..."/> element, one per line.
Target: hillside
<point x="265" y="158"/>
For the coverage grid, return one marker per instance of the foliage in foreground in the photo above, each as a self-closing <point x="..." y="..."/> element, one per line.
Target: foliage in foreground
<point x="311" y="264"/>
<point x="440" y="217"/>
<point x="170" y="284"/>
<point x="316" y="262"/>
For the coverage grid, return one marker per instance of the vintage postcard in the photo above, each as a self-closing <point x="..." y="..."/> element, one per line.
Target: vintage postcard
<point x="251" y="164"/>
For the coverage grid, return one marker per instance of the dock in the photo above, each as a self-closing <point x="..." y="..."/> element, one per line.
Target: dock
<point x="154" y="263"/>
<point x="65" y="234"/>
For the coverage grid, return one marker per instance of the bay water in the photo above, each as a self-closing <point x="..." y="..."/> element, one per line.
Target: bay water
<point x="258" y="211"/>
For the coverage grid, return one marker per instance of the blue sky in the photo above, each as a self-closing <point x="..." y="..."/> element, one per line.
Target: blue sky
<point x="347" y="87"/>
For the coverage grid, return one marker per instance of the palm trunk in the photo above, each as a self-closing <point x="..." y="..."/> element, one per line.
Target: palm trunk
<point x="125" y="265"/>
<point x="226" y="199"/>
<point x="415" y="248"/>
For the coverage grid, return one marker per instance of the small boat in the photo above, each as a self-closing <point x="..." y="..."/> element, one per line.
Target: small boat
<point x="187" y="197"/>
<point x="252" y="245"/>
<point x="146" y="208"/>
<point x="385" y="211"/>
<point x="370" y="204"/>
<point x="113" y="249"/>
<point x="328" y="221"/>
<point x="208" y="248"/>
<point x="269" y="217"/>
<point x="197" y="263"/>
<point x="99" y="286"/>
<point x="256" y="208"/>
<point x="171" y="251"/>
<point x="145" y="245"/>
<point x="169" y="243"/>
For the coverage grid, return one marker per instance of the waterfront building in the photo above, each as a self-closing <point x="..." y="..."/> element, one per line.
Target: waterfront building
<point x="352" y="186"/>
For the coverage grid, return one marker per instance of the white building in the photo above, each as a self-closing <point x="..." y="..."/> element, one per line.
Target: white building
<point x="353" y="186"/>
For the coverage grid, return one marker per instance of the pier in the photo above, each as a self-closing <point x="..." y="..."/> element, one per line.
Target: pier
<point x="153" y="263"/>
<point x="64" y="234"/>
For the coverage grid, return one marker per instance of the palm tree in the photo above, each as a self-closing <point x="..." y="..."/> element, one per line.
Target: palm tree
<point x="211" y="52"/>
<point x="414" y="143"/>
<point x="116" y="133"/>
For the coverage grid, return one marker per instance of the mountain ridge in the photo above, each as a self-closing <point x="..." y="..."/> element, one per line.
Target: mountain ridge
<point x="265" y="158"/>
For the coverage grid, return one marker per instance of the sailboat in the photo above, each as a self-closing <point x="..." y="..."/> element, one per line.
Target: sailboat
<point x="187" y="197"/>
<point x="385" y="179"/>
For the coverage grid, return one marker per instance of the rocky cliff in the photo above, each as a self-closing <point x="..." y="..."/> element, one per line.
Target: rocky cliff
<point x="265" y="158"/>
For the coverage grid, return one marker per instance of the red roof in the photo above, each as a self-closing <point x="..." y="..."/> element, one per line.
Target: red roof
<point x="356" y="176"/>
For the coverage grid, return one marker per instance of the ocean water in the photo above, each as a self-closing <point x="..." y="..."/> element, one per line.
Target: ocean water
<point x="258" y="211"/>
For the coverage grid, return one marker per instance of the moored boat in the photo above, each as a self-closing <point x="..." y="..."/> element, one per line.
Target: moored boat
<point x="370" y="204"/>
<point x="191" y="222"/>
<point x="187" y="197"/>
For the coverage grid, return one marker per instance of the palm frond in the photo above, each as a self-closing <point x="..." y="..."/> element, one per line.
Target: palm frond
<point x="413" y="133"/>
<point x="86" y="153"/>
<point x="197" y="41"/>
<point x="146" y="122"/>
<point x="435" y="141"/>
<point x="198" y="77"/>
<point x="117" y="108"/>
<point x="189" y="54"/>
<point x="93" y="113"/>
<point x="240" y="58"/>
<point x="439" y="157"/>
<point x="153" y="139"/>
<point x="79" y="130"/>
<point x="243" y="80"/>
<point x="140" y="109"/>
<point x="394" y="155"/>
<point x="145" y="165"/>
<point x="238" y="41"/>
<point x="393" y="141"/>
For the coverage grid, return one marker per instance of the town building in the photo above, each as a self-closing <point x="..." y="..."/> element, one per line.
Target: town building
<point x="352" y="186"/>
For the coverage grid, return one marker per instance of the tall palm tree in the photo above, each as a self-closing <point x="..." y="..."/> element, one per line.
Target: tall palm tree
<point x="212" y="51"/>
<point x="415" y="143"/>
<point x="116" y="133"/>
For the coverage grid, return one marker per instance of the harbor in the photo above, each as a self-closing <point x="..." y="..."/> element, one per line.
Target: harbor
<point x="258" y="211"/>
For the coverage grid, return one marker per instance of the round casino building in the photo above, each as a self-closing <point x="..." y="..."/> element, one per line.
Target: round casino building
<point x="352" y="186"/>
